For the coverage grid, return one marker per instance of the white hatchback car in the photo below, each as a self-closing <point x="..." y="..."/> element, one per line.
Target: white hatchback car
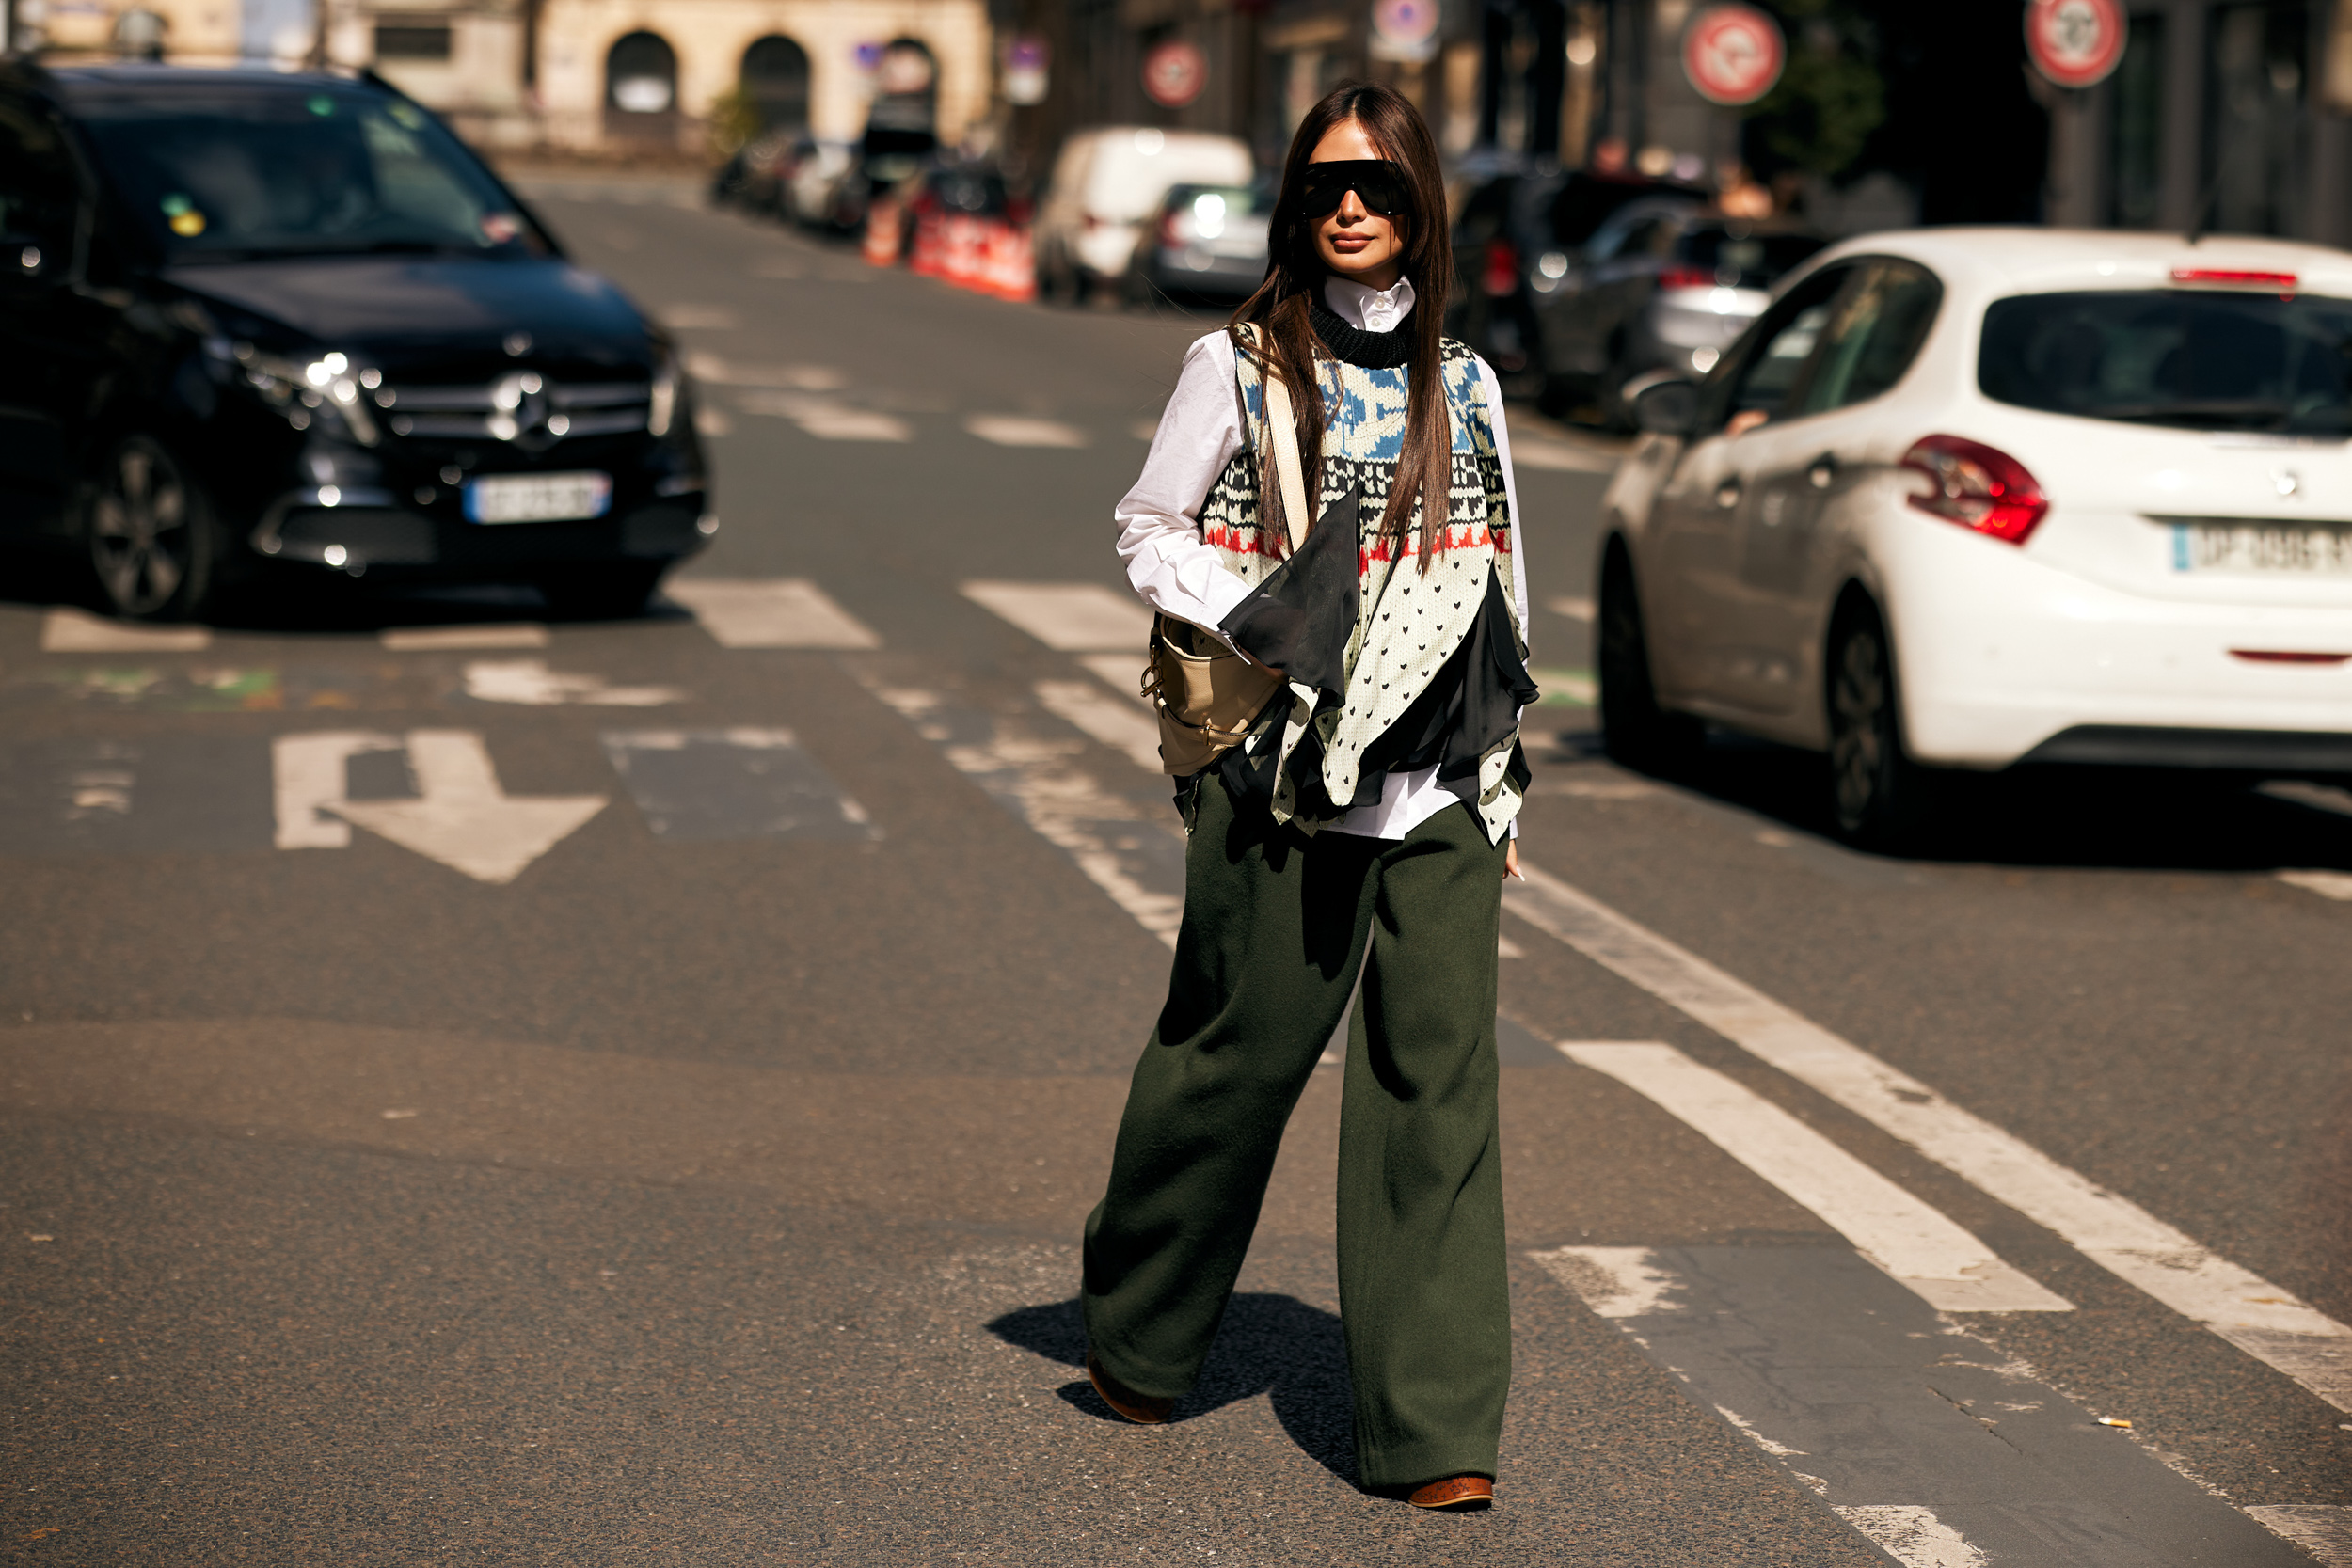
<point x="1967" y="498"/>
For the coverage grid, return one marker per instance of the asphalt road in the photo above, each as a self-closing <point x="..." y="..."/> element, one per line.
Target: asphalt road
<point x="476" y="1091"/>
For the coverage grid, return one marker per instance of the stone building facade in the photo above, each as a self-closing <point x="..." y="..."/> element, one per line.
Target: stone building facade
<point x="583" y="74"/>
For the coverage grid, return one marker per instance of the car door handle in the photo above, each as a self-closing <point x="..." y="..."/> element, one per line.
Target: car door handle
<point x="1728" y="493"/>
<point x="1823" y="474"/>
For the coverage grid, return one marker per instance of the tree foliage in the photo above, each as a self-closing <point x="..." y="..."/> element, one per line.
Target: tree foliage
<point x="1830" y="98"/>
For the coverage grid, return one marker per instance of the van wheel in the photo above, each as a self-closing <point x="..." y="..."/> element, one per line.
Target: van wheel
<point x="1637" y="732"/>
<point x="153" y="543"/>
<point x="1878" y="794"/>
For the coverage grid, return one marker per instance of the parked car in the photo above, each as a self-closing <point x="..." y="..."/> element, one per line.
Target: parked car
<point x="1661" y="288"/>
<point x="1511" y="218"/>
<point x="1107" y="184"/>
<point x="1966" y="498"/>
<point x="752" y="178"/>
<point x="1205" y="241"/>
<point x="259" y="319"/>
<point x="807" y="185"/>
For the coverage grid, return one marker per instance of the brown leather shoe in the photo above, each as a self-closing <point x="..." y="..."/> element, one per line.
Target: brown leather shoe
<point x="1143" y="1409"/>
<point x="1454" y="1495"/>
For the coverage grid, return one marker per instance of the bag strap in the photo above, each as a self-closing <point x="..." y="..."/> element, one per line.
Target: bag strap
<point x="1288" y="471"/>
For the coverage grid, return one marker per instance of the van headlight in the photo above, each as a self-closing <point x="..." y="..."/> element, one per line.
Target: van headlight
<point x="329" y="387"/>
<point x="661" y="407"/>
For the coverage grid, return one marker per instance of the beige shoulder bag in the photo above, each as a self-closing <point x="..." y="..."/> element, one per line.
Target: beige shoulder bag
<point x="1205" y="693"/>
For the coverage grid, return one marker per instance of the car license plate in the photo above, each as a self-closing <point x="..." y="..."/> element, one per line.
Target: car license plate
<point x="537" y="498"/>
<point x="2262" y="548"/>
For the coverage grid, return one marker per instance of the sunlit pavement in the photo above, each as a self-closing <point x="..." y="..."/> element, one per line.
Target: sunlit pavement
<point x="480" y="1090"/>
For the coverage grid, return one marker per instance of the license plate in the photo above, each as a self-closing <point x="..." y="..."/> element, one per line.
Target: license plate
<point x="537" y="498"/>
<point x="2262" y="548"/>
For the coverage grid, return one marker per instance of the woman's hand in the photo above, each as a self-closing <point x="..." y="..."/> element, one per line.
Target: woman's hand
<point x="1511" y="861"/>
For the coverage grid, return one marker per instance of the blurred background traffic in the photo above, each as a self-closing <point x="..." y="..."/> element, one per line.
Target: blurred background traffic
<point x="1089" y="150"/>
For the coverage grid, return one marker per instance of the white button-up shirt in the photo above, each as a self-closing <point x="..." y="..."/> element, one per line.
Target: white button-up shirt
<point x="1179" y="574"/>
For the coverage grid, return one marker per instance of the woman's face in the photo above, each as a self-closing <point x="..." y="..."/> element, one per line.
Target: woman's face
<point x="1356" y="242"/>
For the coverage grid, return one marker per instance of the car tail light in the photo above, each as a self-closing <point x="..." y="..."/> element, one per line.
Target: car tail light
<point x="1173" y="226"/>
<point x="1502" y="267"/>
<point x="2282" y="655"/>
<point x="2227" y="277"/>
<point x="1687" y="277"/>
<point x="1977" y="487"/>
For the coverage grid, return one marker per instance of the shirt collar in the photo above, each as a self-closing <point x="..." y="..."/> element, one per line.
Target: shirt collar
<point x="1369" y="310"/>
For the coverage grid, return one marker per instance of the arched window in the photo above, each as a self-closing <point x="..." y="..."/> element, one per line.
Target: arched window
<point x="906" y="90"/>
<point x="776" y="79"/>
<point x="640" y="75"/>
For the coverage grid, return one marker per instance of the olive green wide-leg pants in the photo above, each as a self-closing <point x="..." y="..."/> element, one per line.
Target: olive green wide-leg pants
<point x="1275" y="924"/>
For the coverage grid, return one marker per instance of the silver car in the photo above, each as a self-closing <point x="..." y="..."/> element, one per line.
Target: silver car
<point x="1662" y="288"/>
<point x="1206" y="241"/>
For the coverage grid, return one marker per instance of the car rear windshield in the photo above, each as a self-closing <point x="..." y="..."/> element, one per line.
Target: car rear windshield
<point x="2193" y="359"/>
<point x="1744" y="260"/>
<point x="226" y="174"/>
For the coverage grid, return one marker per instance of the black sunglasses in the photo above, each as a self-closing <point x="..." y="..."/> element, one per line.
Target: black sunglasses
<point x="1379" y="182"/>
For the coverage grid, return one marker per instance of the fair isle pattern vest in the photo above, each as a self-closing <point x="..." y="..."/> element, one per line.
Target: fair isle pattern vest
<point x="1409" y="623"/>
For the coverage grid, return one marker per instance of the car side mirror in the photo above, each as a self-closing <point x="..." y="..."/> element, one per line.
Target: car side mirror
<point x="1667" y="408"/>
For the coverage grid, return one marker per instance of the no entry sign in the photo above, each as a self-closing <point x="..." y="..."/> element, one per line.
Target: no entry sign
<point x="1732" y="53"/>
<point x="1174" y="73"/>
<point x="2075" y="42"/>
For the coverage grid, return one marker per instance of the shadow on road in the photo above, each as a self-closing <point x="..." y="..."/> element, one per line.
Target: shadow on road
<point x="2119" y="818"/>
<point x="1269" y="1344"/>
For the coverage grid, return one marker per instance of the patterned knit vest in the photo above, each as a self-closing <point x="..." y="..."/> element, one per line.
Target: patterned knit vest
<point x="1408" y="623"/>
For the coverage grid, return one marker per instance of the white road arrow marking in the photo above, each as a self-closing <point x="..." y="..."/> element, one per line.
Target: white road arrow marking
<point x="462" y="817"/>
<point x="310" y="774"/>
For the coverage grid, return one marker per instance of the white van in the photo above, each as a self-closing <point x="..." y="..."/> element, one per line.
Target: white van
<point x="1107" y="183"/>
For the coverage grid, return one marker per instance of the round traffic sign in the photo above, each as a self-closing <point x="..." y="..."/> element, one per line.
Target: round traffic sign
<point x="1405" y="22"/>
<point x="1733" y="54"/>
<point x="2075" y="43"/>
<point x="1174" y="73"/>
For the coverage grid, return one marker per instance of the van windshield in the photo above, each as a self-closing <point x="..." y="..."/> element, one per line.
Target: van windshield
<point x="231" y="173"/>
<point x="2188" y="358"/>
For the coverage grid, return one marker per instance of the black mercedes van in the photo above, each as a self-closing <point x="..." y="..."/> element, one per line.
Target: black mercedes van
<point x="250" y="318"/>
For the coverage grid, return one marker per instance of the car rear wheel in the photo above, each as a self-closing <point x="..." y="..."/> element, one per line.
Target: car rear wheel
<point x="1878" y="794"/>
<point x="152" y="541"/>
<point x="1636" y="730"/>
<point x="602" y="592"/>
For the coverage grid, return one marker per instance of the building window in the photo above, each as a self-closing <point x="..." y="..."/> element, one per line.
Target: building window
<point x="412" y="41"/>
<point x="776" y="79"/>
<point x="640" y="75"/>
<point x="2136" y="195"/>
<point x="2257" y="64"/>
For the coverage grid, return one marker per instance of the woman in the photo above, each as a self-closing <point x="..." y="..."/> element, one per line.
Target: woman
<point x="1379" y="790"/>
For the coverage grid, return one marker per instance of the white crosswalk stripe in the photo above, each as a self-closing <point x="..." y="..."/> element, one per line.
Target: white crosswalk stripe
<point x="826" y="418"/>
<point x="76" y="631"/>
<point x="1021" y="430"/>
<point x="1122" y="725"/>
<point x="1942" y="1263"/>
<point x="773" y="612"/>
<point x="425" y="640"/>
<point x="2261" y="1319"/>
<point x="1069" y="617"/>
<point x="1121" y="672"/>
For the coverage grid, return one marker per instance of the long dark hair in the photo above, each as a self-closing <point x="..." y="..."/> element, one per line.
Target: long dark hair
<point x="1287" y="345"/>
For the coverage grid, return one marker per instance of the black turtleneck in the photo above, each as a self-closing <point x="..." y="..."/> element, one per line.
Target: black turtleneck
<point x="1374" y="351"/>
